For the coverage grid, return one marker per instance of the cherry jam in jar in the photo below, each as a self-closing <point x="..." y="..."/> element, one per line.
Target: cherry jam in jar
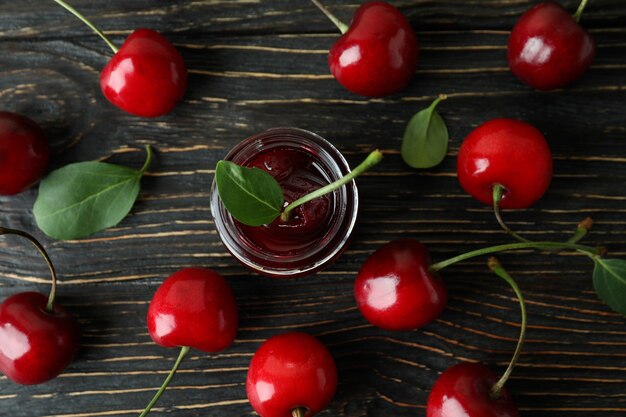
<point x="318" y="231"/>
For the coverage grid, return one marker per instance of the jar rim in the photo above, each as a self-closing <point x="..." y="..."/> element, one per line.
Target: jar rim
<point x="345" y="214"/>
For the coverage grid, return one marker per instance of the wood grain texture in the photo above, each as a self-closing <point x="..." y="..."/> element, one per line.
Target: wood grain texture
<point x="258" y="64"/>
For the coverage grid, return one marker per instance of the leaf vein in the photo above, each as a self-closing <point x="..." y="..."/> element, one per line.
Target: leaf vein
<point x="265" y="203"/>
<point x="90" y="197"/>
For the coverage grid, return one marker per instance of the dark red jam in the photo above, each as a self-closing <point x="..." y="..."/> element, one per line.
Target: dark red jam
<point x="318" y="231"/>
<point x="298" y="172"/>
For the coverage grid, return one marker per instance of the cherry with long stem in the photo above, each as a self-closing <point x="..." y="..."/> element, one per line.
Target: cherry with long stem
<point x="44" y="254"/>
<point x="43" y="332"/>
<point x="417" y="295"/>
<point x="472" y="389"/>
<point x="497" y="268"/>
<point x="146" y="76"/>
<point x="192" y="308"/>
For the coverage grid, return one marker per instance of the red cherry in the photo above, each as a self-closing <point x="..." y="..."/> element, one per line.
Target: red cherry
<point x="378" y="53"/>
<point x="146" y="77"/>
<point x="193" y="307"/>
<point x="35" y="345"/>
<point x="464" y="390"/>
<point x="395" y="289"/>
<point x="38" y="337"/>
<point x="548" y="48"/>
<point x="508" y="152"/>
<point x="24" y="153"/>
<point x="289" y="374"/>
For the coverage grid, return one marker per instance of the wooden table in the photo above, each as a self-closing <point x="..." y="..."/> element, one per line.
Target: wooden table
<point x="260" y="64"/>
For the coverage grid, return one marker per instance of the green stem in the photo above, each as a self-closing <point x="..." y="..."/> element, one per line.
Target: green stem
<point x="183" y="352"/>
<point x="343" y="28"/>
<point x="579" y="11"/>
<point x="42" y="251"/>
<point x="87" y="22"/>
<point x="436" y="101"/>
<point x="498" y="192"/>
<point x="146" y="164"/>
<point x="495" y="266"/>
<point x="587" y="250"/>
<point x="371" y="160"/>
<point x="582" y="230"/>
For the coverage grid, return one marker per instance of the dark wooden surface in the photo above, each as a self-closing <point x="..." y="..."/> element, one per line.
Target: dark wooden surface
<point x="260" y="64"/>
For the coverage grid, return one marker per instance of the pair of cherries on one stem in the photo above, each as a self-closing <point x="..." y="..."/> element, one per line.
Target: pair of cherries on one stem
<point x="291" y="374"/>
<point x="397" y="288"/>
<point x="503" y="162"/>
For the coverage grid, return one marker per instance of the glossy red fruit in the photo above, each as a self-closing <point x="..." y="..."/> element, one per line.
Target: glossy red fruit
<point x="35" y="345"/>
<point x="463" y="390"/>
<point x="378" y="54"/>
<point x="289" y="371"/>
<point x="548" y="48"/>
<point x="146" y="77"/>
<point x="395" y="289"/>
<point x="194" y="307"/>
<point x="24" y="153"/>
<point x="508" y="152"/>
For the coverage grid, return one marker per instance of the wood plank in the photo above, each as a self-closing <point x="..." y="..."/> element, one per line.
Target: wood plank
<point x="260" y="64"/>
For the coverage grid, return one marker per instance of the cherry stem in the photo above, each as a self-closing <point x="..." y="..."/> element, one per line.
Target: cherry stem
<point x="88" y="23"/>
<point x="146" y="164"/>
<point x="582" y="230"/>
<point x="587" y="250"/>
<point x="42" y="251"/>
<point x="183" y="352"/>
<point x="343" y="28"/>
<point x="498" y="193"/>
<point x="298" y="412"/>
<point x="371" y="160"/>
<point x="579" y="11"/>
<point x="497" y="268"/>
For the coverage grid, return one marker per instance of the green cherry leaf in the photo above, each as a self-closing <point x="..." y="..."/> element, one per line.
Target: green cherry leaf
<point x="80" y="199"/>
<point x="425" y="141"/>
<point x="609" y="280"/>
<point x="251" y="195"/>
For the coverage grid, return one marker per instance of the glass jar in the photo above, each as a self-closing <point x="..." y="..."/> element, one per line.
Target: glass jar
<point x="300" y="161"/>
